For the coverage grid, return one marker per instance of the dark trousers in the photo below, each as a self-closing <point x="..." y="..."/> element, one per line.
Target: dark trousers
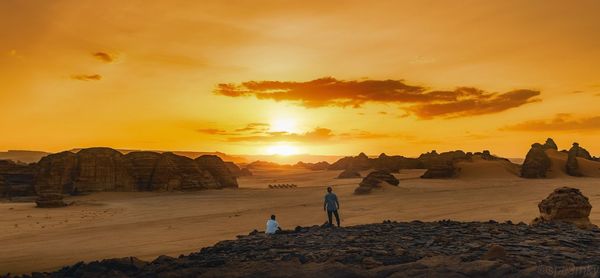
<point x="337" y="217"/>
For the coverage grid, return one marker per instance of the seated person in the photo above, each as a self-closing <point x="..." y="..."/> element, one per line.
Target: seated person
<point x="272" y="226"/>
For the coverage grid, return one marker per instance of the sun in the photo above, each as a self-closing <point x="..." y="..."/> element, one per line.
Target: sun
<point x="282" y="149"/>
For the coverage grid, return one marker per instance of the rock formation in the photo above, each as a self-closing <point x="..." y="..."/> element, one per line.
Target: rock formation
<point x="440" y="168"/>
<point x="236" y="171"/>
<point x="536" y="163"/>
<point x="359" y="163"/>
<point x="374" y="180"/>
<point x="388" y="249"/>
<point x="349" y="174"/>
<point x="572" y="166"/>
<point x="550" y="144"/>
<point x="50" y="200"/>
<point x="565" y="204"/>
<point x="16" y="179"/>
<point x="245" y="172"/>
<point x="217" y="169"/>
<point x="104" y="169"/>
<point x="383" y="162"/>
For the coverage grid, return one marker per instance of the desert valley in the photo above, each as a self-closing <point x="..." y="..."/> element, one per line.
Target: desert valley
<point x="148" y="205"/>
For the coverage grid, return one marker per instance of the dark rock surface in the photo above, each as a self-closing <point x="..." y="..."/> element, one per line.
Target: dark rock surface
<point x="565" y="204"/>
<point x="390" y="249"/>
<point x="105" y="169"/>
<point x="442" y="165"/>
<point x="374" y="180"/>
<point x="537" y="163"/>
<point x="16" y="179"/>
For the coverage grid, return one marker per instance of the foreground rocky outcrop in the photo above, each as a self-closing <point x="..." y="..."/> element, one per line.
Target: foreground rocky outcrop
<point x="389" y="249"/>
<point x="568" y="205"/>
<point x="374" y="180"/>
<point x="105" y="169"/>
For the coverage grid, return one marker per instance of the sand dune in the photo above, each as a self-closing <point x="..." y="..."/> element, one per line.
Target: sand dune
<point x="559" y="160"/>
<point x="479" y="168"/>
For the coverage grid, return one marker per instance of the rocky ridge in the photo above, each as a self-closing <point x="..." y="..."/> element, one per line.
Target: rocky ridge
<point x="390" y="249"/>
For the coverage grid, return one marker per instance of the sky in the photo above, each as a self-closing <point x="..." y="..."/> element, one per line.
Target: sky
<point x="310" y="77"/>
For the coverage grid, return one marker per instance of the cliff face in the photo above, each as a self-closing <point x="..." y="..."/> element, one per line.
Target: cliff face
<point x="104" y="169"/>
<point x="16" y="179"/>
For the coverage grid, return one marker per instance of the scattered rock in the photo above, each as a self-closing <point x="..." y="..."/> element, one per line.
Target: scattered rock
<point x="374" y="180"/>
<point x="349" y="174"/>
<point x="568" y="205"/>
<point x="50" y="200"/>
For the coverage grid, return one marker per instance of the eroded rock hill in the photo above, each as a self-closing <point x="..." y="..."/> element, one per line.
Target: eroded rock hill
<point x="105" y="169"/>
<point x="389" y="249"/>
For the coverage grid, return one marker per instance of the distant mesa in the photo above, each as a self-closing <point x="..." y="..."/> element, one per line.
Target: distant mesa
<point x="362" y="162"/>
<point x="106" y="169"/>
<point x="260" y="164"/>
<point x="236" y="171"/>
<point x="376" y="179"/>
<point x="568" y="205"/>
<point x="22" y="156"/>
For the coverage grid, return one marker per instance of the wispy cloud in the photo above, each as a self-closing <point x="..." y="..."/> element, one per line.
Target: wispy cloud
<point x="104" y="56"/>
<point x="560" y="122"/>
<point x="328" y="91"/>
<point x="87" y="77"/>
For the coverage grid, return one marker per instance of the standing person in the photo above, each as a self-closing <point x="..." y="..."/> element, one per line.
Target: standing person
<point x="331" y="205"/>
<point x="272" y="226"/>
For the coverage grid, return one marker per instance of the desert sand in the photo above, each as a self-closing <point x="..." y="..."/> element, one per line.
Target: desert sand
<point x="148" y="224"/>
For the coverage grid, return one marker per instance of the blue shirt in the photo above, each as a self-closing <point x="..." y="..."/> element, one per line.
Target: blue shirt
<point x="331" y="202"/>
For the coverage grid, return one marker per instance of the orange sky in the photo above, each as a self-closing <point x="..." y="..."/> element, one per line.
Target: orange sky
<point x="401" y="77"/>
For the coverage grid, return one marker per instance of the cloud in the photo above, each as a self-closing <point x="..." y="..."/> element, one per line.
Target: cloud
<point x="481" y="104"/>
<point x="87" y="77"/>
<point x="560" y="122"/>
<point x="104" y="56"/>
<point x="316" y="135"/>
<point x="328" y="91"/>
<point x="214" y="131"/>
<point x="254" y="127"/>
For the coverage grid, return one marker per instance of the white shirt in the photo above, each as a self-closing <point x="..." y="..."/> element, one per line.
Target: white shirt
<point x="272" y="226"/>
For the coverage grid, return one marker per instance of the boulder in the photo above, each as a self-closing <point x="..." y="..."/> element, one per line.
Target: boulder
<point x="565" y="204"/>
<point x="536" y="164"/>
<point x="374" y="180"/>
<point x="50" y="200"/>
<point x="349" y="174"/>
<point x="572" y="166"/>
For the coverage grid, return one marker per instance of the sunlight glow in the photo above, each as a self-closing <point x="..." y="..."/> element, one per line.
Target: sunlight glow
<point x="282" y="149"/>
<point x="283" y="125"/>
